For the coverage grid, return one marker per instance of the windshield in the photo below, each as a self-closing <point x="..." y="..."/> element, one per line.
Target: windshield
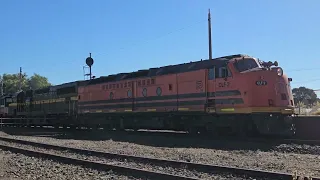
<point x="245" y="64"/>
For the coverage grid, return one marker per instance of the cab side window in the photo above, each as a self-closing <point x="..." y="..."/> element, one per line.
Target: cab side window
<point x="223" y="72"/>
<point x="1" y="102"/>
<point x="211" y="73"/>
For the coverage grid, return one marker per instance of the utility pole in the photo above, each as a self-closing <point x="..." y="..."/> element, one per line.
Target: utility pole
<point x="209" y="33"/>
<point x="20" y="79"/>
<point x="2" y="86"/>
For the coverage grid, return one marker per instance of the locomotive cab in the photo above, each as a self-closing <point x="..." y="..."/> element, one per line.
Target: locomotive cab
<point x="267" y="86"/>
<point x="4" y="104"/>
<point x="266" y="90"/>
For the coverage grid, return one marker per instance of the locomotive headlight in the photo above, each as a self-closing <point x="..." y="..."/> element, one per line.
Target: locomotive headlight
<point x="279" y="71"/>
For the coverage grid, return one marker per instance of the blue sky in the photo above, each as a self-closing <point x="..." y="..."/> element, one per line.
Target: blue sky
<point x="53" y="38"/>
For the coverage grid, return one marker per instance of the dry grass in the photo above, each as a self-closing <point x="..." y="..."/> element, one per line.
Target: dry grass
<point x="316" y="113"/>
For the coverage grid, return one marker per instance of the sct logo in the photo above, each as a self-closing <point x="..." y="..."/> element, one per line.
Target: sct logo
<point x="261" y="83"/>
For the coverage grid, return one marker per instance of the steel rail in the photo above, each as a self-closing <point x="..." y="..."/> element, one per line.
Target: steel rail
<point x="97" y="165"/>
<point x="280" y="140"/>
<point x="215" y="169"/>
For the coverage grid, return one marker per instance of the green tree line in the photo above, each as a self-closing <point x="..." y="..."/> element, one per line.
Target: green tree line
<point x="11" y="82"/>
<point x="306" y="96"/>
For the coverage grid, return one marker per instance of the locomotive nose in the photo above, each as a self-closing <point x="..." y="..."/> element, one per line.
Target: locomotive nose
<point x="272" y="89"/>
<point x="283" y="91"/>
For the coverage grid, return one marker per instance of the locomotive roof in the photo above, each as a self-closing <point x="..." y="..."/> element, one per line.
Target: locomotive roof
<point x="171" y="69"/>
<point x="64" y="85"/>
<point x="55" y="87"/>
<point x="5" y="96"/>
<point x="50" y="88"/>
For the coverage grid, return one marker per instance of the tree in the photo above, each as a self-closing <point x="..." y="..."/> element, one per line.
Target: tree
<point x="303" y="94"/>
<point x="317" y="104"/>
<point x="300" y="105"/>
<point x="36" y="81"/>
<point x="11" y="82"/>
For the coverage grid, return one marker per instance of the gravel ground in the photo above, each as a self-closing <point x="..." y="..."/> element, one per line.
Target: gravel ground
<point x="20" y="167"/>
<point x="151" y="167"/>
<point x="286" y="158"/>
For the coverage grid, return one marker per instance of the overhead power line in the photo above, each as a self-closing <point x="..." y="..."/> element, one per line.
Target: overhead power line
<point x="302" y="69"/>
<point x="308" y="81"/>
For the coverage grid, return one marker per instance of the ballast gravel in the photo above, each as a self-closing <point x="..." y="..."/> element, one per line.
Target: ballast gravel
<point x="151" y="167"/>
<point x="20" y="167"/>
<point x="287" y="158"/>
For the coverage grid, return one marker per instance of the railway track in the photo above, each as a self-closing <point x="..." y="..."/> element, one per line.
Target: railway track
<point x="138" y="172"/>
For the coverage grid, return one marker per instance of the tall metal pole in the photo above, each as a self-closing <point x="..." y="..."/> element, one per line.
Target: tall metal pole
<point x="2" y="86"/>
<point x="20" y="79"/>
<point x="209" y="33"/>
<point x="89" y="62"/>
<point x="90" y="69"/>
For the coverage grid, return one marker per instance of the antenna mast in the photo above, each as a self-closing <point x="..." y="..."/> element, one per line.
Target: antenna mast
<point x="209" y="33"/>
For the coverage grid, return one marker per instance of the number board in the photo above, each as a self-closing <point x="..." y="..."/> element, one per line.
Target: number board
<point x="261" y="83"/>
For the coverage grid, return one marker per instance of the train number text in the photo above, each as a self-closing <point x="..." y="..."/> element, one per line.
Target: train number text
<point x="224" y="84"/>
<point x="261" y="83"/>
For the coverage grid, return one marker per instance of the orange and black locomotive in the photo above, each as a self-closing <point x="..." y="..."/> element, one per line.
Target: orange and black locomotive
<point x="236" y="94"/>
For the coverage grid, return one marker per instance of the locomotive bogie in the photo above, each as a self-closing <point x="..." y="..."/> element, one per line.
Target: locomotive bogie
<point x="274" y="124"/>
